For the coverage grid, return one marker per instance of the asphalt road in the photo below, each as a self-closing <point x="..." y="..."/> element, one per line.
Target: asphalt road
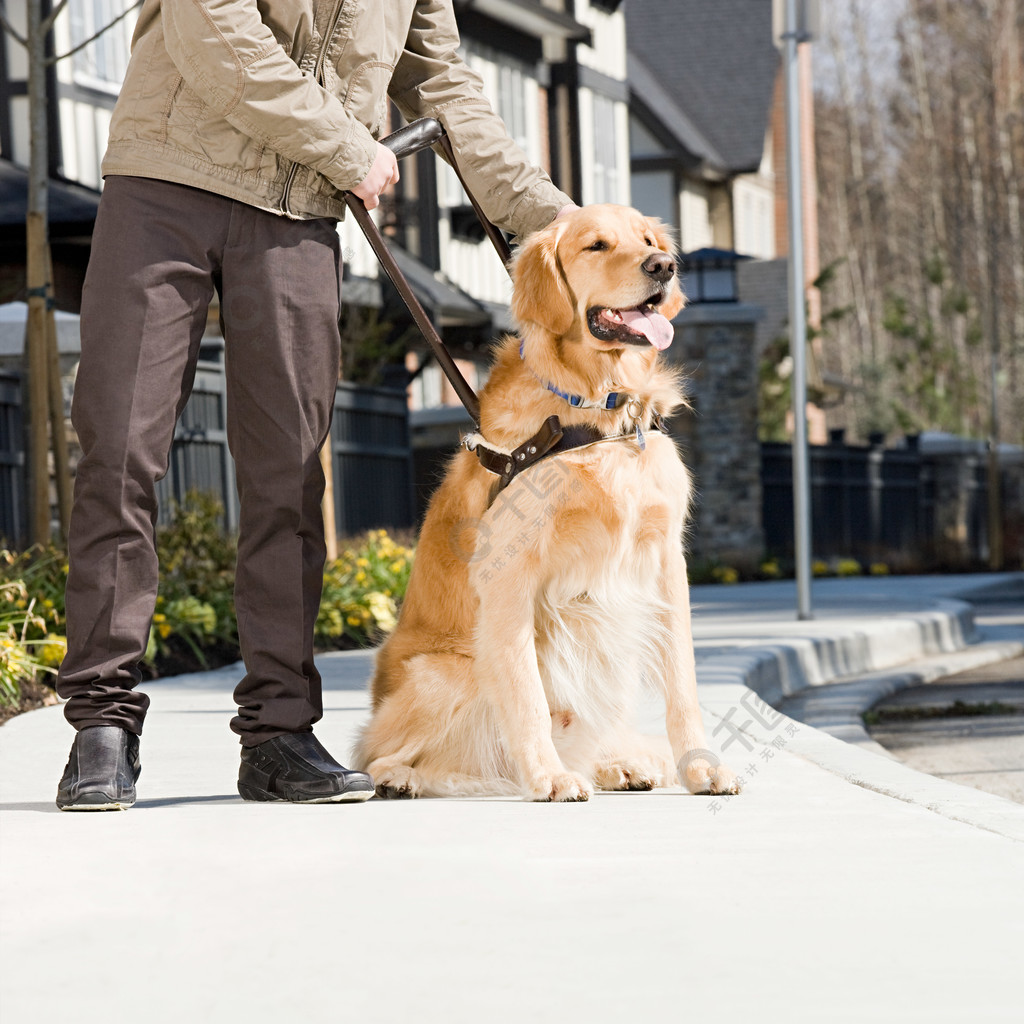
<point x="985" y="751"/>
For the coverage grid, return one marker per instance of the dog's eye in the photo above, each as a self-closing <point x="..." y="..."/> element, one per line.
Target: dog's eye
<point x="649" y="242"/>
<point x="599" y="246"/>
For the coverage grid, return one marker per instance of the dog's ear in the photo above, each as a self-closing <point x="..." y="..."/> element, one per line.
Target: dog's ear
<point x="540" y="294"/>
<point x="675" y="300"/>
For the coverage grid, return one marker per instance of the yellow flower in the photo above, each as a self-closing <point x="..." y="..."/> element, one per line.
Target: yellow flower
<point x="360" y="576"/>
<point x="363" y="563"/>
<point x="383" y="610"/>
<point x="352" y="620"/>
<point x="879" y="569"/>
<point x="52" y="650"/>
<point x="819" y="568"/>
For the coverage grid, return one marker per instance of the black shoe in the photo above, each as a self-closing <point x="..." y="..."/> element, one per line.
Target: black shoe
<point x="102" y="770"/>
<point x="295" y="767"/>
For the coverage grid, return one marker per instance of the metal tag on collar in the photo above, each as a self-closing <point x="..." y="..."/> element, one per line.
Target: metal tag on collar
<point x="635" y="411"/>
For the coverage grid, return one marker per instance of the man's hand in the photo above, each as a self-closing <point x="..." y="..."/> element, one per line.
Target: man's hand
<point x="384" y="172"/>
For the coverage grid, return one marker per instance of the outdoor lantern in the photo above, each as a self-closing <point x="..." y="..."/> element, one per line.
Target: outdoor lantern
<point x="709" y="275"/>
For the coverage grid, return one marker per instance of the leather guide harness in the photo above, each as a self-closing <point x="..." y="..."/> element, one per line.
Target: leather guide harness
<point x="551" y="439"/>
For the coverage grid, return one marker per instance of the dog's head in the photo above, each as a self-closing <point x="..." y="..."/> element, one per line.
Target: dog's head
<point x="603" y="274"/>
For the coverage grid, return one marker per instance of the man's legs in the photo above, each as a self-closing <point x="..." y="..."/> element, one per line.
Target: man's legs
<point x="280" y="304"/>
<point x="144" y="309"/>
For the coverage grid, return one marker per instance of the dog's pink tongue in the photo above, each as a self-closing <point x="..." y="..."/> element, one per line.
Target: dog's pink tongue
<point x="653" y="326"/>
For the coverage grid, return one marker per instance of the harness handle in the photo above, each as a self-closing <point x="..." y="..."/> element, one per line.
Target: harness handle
<point x="413" y="137"/>
<point x="426" y="132"/>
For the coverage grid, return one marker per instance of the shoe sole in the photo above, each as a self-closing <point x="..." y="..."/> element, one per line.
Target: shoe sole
<point x="115" y="805"/>
<point x="262" y="796"/>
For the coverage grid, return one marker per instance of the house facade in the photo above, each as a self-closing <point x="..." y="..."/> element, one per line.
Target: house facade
<point x="679" y="123"/>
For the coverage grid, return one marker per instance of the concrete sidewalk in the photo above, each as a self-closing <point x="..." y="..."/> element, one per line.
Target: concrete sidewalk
<point x="840" y="886"/>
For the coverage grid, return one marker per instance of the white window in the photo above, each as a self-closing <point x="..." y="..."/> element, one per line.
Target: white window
<point x="654" y="195"/>
<point x="101" y="64"/>
<point x="511" y="87"/>
<point x="606" y="150"/>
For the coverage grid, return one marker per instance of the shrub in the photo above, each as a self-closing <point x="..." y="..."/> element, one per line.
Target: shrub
<point x="194" y="620"/>
<point x="20" y="661"/>
<point x="363" y="589"/>
<point x="195" y="611"/>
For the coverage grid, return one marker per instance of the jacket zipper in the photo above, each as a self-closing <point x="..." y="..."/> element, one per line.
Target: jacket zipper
<point x="318" y="75"/>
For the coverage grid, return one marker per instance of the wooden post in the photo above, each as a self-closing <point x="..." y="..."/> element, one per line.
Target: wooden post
<point x="38" y="389"/>
<point x="330" y="530"/>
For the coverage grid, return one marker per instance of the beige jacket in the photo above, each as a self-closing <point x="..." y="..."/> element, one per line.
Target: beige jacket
<point x="278" y="104"/>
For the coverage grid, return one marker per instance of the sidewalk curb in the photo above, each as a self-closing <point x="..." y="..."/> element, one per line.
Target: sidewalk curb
<point x="837" y="708"/>
<point x="802" y="678"/>
<point x="819" y="652"/>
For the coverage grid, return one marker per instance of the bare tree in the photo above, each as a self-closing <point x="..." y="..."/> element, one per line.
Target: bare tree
<point x="923" y="214"/>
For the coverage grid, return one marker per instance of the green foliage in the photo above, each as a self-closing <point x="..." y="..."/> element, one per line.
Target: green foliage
<point x="194" y="621"/>
<point x="923" y="380"/>
<point x="369" y="344"/>
<point x="195" y="602"/>
<point x="28" y="650"/>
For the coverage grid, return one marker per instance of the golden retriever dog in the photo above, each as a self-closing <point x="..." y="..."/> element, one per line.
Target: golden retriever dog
<point x="546" y="591"/>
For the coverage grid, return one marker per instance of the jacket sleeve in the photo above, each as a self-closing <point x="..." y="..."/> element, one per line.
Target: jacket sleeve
<point x="432" y="80"/>
<point x="227" y="55"/>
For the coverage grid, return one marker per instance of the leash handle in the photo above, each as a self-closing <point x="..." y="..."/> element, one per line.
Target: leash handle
<point x="413" y="137"/>
<point x="426" y="132"/>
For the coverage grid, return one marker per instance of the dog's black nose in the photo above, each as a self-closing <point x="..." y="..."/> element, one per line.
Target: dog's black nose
<point x="659" y="266"/>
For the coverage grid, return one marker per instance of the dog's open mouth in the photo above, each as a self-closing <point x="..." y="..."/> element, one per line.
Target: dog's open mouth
<point x="642" y="325"/>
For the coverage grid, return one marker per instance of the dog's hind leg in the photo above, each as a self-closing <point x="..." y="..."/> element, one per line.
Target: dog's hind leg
<point x="431" y="735"/>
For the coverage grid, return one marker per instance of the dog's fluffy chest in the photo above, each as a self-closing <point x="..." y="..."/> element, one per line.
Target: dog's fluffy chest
<point x="606" y="520"/>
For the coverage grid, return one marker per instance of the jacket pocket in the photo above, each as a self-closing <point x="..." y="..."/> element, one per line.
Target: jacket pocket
<point x="366" y="98"/>
<point x="190" y="126"/>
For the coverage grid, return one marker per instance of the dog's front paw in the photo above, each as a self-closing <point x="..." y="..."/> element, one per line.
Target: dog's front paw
<point x="706" y="774"/>
<point x="562" y="788"/>
<point x="623" y="775"/>
<point x="397" y="783"/>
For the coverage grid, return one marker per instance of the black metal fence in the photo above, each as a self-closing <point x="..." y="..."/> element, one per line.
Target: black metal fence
<point x="372" y="460"/>
<point x="12" y="460"/>
<point x="200" y="459"/>
<point x="370" y="449"/>
<point x="914" y="509"/>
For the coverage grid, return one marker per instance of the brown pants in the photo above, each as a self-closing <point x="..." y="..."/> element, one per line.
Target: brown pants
<point x="159" y="252"/>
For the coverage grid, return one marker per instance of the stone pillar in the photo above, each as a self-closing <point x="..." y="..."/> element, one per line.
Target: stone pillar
<point x="715" y="345"/>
